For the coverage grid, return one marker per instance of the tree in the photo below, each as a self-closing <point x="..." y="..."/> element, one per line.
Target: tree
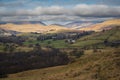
<point x="5" y="48"/>
<point x="37" y="47"/>
<point x="49" y="42"/>
<point x="12" y="47"/>
<point x="9" y="47"/>
<point x="77" y="53"/>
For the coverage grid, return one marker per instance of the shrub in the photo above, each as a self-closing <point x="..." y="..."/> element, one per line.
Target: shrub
<point x="77" y="53"/>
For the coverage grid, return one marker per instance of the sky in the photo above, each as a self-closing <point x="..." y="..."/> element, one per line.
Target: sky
<point x="58" y="11"/>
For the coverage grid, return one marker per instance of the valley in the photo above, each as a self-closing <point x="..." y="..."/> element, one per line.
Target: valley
<point x="70" y="53"/>
<point x="59" y="39"/>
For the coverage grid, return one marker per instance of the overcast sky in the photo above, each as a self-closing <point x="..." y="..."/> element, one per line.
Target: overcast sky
<point x="59" y="11"/>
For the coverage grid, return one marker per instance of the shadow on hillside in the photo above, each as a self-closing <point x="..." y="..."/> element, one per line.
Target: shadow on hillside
<point x="3" y="75"/>
<point x="22" y="61"/>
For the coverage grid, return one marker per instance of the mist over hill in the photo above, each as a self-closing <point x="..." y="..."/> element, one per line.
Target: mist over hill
<point x="80" y="23"/>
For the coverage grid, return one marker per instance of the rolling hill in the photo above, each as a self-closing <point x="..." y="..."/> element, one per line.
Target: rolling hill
<point x="104" y="25"/>
<point x="91" y="66"/>
<point x="7" y="32"/>
<point x="39" y="27"/>
<point x="80" y="24"/>
<point x="26" y="28"/>
<point x="23" y="22"/>
<point x="102" y="64"/>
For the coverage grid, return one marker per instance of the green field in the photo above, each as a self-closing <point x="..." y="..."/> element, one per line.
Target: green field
<point x="89" y="40"/>
<point x="95" y="39"/>
<point x="1" y="48"/>
<point x="56" y="43"/>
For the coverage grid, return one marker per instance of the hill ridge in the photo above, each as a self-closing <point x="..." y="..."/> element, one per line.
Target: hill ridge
<point x="108" y="24"/>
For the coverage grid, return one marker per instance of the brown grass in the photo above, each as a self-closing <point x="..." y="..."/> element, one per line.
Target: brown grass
<point x="32" y="28"/>
<point x="102" y="65"/>
<point x="99" y="26"/>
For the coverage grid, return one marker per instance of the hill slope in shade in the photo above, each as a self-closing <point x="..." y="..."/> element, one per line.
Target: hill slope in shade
<point x="104" y="25"/>
<point x="81" y="24"/>
<point x="91" y="66"/>
<point x="31" y="27"/>
<point x="102" y="64"/>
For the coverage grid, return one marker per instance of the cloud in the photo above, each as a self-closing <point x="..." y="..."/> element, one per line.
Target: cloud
<point x="97" y="10"/>
<point x="79" y="10"/>
<point x="41" y="18"/>
<point x="12" y="4"/>
<point x="53" y="10"/>
<point x="59" y="13"/>
<point x="110" y="2"/>
<point x="51" y="18"/>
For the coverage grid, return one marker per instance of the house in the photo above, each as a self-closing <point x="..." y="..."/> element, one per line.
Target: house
<point x="71" y="41"/>
<point x="7" y="34"/>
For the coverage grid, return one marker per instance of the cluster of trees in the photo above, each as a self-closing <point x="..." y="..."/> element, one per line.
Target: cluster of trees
<point x="12" y="39"/>
<point x="38" y="58"/>
<point x="112" y="43"/>
<point x="67" y="35"/>
<point x="9" y="47"/>
<point x="20" y="61"/>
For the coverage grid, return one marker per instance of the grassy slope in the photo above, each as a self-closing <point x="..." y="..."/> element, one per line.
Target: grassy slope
<point x="98" y="37"/>
<point x="91" y="66"/>
<point x="103" y="65"/>
<point x="1" y="48"/>
<point x="89" y="40"/>
<point x="95" y="38"/>
<point x="56" y="43"/>
<point x="32" y="28"/>
<point x="101" y="26"/>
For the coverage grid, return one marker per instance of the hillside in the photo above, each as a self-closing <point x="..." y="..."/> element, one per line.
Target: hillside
<point x="80" y="24"/>
<point x="98" y="63"/>
<point x="102" y="65"/>
<point x="42" y="28"/>
<point x="104" y="25"/>
<point x="31" y="28"/>
<point x="23" y="22"/>
<point x="84" y="41"/>
<point x="7" y="32"/>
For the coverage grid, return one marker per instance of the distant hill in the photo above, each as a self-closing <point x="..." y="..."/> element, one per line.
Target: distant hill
<point x="39" y="27"/>
<point x="59" y="25"/>
<point x="80" y="24"/>
<point x="24" y="22"/>
<point x="32" y="27"/>
<point x="7" y="32"/>
<point x="104" y="25"/>
<point x="99" y="63"/>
